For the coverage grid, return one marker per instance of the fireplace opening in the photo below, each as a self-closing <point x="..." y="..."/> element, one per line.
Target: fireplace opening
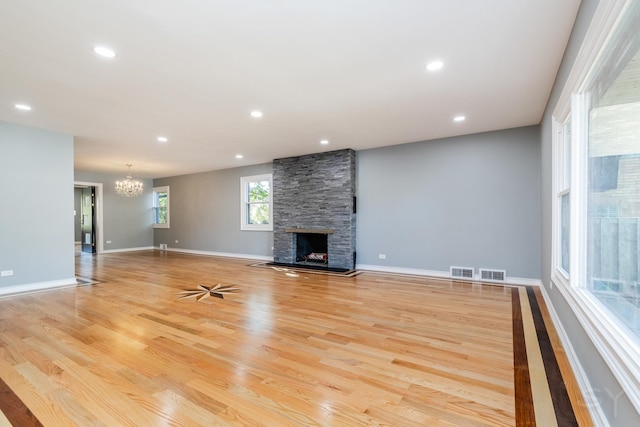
<point x="311" y="248"/>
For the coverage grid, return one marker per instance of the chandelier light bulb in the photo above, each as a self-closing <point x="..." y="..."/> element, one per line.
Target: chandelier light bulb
<point x="129" y="187"/>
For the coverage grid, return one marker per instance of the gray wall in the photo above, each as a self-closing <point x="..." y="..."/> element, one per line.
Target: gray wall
<point x="605" y="388"/>
<point x="127" y="221"/>
<point x="470" y="201"/>
<point x="36" y="211"/>
<point x="205" y="213"/>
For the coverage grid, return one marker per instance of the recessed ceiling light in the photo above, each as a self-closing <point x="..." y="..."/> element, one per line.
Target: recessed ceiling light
<point x="459" y="118"/>
<point x="257" y="114"/>
<point x="324" y="142"/>
<point x="435" y="65"/>
<point x="163" y="139"/>
<point x="104" y="51"/>
<point x="23" y="107"/>
<point x="239" y="156"/>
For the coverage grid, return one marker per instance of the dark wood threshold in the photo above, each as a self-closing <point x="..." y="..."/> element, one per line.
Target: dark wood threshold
<point x="525" y="415"/>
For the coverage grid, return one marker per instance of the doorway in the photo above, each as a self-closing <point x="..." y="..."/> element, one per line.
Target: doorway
<point x="87" y="219"/>
<point x="90" y="216"/>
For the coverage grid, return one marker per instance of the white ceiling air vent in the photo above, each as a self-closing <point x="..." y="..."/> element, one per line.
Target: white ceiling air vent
<point x="487" y="275"/>
<point x="461" y="273"/>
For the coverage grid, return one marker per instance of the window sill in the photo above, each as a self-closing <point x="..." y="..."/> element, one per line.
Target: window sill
<point x="256" y="228"/>
<point x="609" y="337"/>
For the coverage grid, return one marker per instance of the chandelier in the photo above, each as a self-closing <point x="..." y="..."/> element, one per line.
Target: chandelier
<point x="128" y="187"/>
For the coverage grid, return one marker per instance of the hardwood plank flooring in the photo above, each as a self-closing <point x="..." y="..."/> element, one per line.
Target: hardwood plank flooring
<point x="288" y="348"/>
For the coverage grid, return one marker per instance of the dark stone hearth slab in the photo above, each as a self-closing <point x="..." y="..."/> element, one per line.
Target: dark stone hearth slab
<point x="310" y="267"/>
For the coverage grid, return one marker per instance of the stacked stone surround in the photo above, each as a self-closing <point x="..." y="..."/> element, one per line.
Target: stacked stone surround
<point x="315" y="192"/>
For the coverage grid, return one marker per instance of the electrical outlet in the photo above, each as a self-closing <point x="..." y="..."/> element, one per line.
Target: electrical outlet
<point x="6" y="273"/>
<point x="176" y="241"/>
<point x="108" y="242"/>
<point x="382" y="256"/>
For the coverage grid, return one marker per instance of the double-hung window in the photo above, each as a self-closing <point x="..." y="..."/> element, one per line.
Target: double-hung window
<point x="256" y="212"/>
<point x="596" y="181"/>
<point x="161" y="207"/>
<point x="562" y="182"/>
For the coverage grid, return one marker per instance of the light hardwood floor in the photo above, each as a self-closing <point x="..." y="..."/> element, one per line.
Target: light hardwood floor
<point x="286" y="349"/>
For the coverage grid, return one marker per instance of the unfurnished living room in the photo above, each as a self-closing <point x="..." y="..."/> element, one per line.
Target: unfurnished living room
<point x="320" y="213"/>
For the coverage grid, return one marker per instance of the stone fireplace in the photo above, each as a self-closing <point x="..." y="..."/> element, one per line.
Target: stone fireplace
<point x="314" y="199"/>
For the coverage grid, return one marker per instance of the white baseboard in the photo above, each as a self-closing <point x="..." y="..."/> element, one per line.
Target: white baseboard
<point x="37" y="287"/>
<point x="595" y="410"/>
<point x="220" y="254"/>
<point x="113" y="251"/>
<point x="523" y="281"/>
<point x="440" y="274"/>
<point x="402" y="270"/>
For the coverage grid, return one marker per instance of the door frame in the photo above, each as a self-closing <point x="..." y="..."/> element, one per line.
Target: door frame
<point x="98" y="216"/>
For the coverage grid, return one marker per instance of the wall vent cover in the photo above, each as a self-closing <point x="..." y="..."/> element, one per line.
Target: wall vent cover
<point x="487" y="275"/>
<point x="461" y="273"/>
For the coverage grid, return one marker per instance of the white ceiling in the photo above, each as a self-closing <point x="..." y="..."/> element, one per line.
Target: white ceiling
<point x="350" y="71"/>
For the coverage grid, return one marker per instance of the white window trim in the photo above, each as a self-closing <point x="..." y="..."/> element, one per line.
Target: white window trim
<point x="559" y="188"/>
<point x="244" y="197"/>
<point x="164" y="189"/>
<point x="557" y="218"/>
<point x="620" y="353"/>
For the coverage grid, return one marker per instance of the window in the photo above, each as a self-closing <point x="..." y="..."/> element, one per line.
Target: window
<point x="563" y="195"/>
<point x="161" y="207"/>
<point x="255" y="207"/>
<point x="596" y="181"/>
<point x="613" y="181"/>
